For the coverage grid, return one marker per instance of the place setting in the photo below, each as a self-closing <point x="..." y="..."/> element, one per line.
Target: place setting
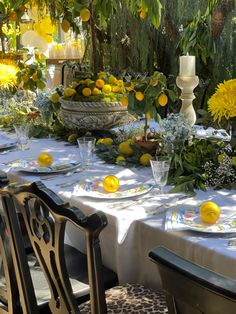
<point x="6" y="144"/>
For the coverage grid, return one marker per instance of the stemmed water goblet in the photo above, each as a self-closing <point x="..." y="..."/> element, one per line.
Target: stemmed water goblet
<point x="160" y="169"/>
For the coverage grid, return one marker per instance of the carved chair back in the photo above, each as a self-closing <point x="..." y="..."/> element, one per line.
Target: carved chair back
<point x="45" y="216"/>
<point x="16" y="288"/>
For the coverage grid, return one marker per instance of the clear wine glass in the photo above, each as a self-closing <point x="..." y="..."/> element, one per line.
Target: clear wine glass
<point x="160" y="169"/>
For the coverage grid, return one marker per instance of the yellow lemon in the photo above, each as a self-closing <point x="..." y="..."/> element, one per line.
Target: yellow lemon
<point x="68" y="92"/>
<point x="142" y="15"/>
<point x="106" y="88"/>
<point x="115" y="89"/>
<point x="101" y="74"/>
<point x="96" y="91"/>
<point x="209" y="212"/>
<point x="145" y="159"/>
<point x="221" y="157"/>
<point x="120" y="158"/>
<point x="233" y="161"/>
<point x="107" y="141"/>
<point x="129" y="140"/>
<point x="35" y="77"/>
<point x="154" y="82"/>
<point x="100" y="83"/>
<point x="55" y="97"/>
<point x="120" y="83"/>
<point x="139" y="96"/>
<point x="130" y="87"/>
<point x="124" y="101"/>
<point x="13" y="16"/>
<point x="5" y="120"/>
<point x="74" y="84"/>
<point x="65" y="25"/>
<point x="111" y="184"/>
<point x="86" y="91"/>
<point x="112" y="79"/>
<point x="162" y="100"/>
<point x="125" y="148"/>
<point x="25" y="78"/>
<point x="88" y="81"/>
<point x="85" y="15"/>
<point x="44" y="159"/>
<point x="148" y="116"/>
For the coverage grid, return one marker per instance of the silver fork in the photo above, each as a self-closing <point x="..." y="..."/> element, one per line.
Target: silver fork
<point x="53" y="176"/>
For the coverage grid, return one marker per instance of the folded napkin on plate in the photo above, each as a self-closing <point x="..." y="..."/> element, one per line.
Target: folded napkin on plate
<point x="6" y="141"/>
<point x="33" y="166"/>
<point x="131" y="184"/>
<point x="184" y="217"/>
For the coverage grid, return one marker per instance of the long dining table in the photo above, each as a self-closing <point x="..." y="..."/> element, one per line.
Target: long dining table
<point x="136" y="222"/>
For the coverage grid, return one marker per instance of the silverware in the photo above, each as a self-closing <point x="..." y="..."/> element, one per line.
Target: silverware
<point x="68" y="184"/>
<point x="47" y="177"/>
<point x="156" y="210"/>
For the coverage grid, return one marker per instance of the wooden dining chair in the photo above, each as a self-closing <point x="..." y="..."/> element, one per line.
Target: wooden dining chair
<point x="66" y="278"/>
<point x="191" y="288"/>
<point x="45" y="217"/>
<point x="16" y="288"/>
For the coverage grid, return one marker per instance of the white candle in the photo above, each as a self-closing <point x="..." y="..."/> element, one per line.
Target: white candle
<point x="187" y="65"/>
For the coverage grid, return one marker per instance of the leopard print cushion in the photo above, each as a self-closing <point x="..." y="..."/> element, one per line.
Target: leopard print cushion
<point x="132" y="299"/>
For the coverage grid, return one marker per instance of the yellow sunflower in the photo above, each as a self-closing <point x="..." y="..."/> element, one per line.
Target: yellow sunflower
<point x="222" y="105"/>
<point x="8" y="70"/>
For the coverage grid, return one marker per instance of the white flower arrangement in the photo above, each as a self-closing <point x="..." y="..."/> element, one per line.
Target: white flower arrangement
<point x="175" y="129"/>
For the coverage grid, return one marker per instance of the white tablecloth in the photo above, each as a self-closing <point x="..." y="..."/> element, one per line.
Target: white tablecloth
<point x="135" y="225"/>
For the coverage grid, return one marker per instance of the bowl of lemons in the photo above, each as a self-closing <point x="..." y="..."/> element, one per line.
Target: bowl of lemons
<point x="95" y="103"/>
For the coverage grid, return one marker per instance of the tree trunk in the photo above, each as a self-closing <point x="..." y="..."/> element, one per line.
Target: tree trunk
<point x="94" y="40"/>
<point x="219" y="15"/>
<point x="2" y="38"/>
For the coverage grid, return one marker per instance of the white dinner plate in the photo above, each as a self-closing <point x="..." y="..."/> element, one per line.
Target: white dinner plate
<point x="7" y="145"/>
<point x="184" y="218"/>
<point x="31" y="166"/>
<point x="94" y="188"/>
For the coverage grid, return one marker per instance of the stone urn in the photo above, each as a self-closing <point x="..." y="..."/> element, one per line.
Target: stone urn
<point x="94" y="115"/>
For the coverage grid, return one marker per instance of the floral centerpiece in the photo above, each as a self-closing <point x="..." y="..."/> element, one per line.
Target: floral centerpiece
<point x="95" y="102"/>
<point x="176" y="130"/>
<point x="222" y="104"/>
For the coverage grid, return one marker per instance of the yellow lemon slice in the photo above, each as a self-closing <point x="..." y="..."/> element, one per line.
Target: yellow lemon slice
<point x="44" y="159"/>
<point x="111" y="184"/>
<point x="209" y="212"/>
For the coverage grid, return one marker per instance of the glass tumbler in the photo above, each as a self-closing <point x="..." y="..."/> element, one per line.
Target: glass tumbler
<point x="86" y="148"/>
<point x="22" y="135"/>
<point x="160" y="170"/>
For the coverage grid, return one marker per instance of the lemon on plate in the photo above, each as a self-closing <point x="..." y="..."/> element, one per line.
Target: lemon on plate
<point x="44" y="159"/>
<point x="111" y="184"/>
<point x="209" y="212"/>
